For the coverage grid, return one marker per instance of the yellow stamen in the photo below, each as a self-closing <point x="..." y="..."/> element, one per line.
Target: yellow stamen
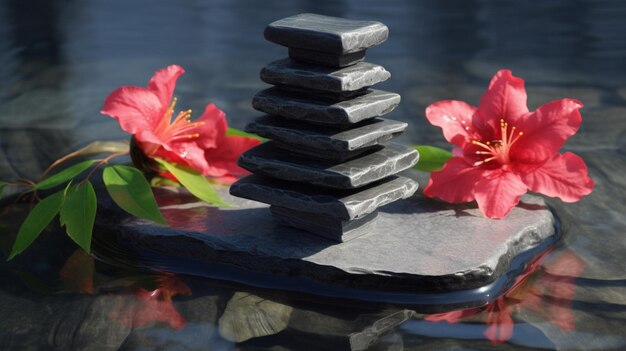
<point x="498" y="149"/>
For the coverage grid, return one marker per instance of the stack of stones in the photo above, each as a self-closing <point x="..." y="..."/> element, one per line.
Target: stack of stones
<point x="326" y="169"/>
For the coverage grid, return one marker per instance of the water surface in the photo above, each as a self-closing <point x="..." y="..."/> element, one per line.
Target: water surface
<point x="59" y="60"/>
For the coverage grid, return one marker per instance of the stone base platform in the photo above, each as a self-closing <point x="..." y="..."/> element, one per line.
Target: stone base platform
<point x="419" y="252"/>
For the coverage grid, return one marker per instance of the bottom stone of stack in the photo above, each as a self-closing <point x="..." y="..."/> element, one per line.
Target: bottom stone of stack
<point x="339" y="215"/>
<point x="329" y="227"/>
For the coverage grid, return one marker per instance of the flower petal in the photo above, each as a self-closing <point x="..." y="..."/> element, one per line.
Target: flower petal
<point x="454" y="183"/>
<point x="455" y="119"/>
<point x="223" y="159"/>
<point x="163" y="83"/>
<point x="186" y="153"/>
<point x="505" y="99"/>
<point x="499" y="193"/>
<point x="546" y="130"/>
<point x="563" y="176"/>
<point x="499" y="322"/>
<point x="135" y="108"/>
<point x="214" y="127"/>
<point x="453" y="316"/>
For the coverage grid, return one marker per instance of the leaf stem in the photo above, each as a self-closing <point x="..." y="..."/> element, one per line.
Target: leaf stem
<point x="78" y="152"/>
<point x="102" y="162"/>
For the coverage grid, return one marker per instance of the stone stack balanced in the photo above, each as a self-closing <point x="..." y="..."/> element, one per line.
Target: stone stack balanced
<point x="326" y="169"/>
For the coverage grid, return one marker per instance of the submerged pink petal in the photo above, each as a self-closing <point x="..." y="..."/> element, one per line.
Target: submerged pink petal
<point x="453" y="316"/>
<point x="454" y="183"/>
<point x="499" y="321"/>
<point x="505" y="99"/>
<point x="564" y="176"/>
<point x="499" y="193"/>
<point x="546" y="130"/>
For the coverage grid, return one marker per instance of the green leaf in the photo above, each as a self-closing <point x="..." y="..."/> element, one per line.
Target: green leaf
<point x="36" y="221"/>
<point x="130" y="190"/>
<point x="64" y="175"/>
<point x="78" y="214"/>
<point x="237" y="132"/>
<point x="2" y="185"/>
<point x="431" y="158"/>
<point x="196" y="183"/>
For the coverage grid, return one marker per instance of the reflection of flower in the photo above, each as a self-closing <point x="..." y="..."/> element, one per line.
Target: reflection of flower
<point x="548" y="292"/>
<point x="78" y="271"/>
<point x="506" y="150"/>
<point x="147" y="114"/>
<point x="154" y="306"/>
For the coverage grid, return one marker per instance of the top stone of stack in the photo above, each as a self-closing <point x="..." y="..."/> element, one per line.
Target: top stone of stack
<point x="326" y="40"/>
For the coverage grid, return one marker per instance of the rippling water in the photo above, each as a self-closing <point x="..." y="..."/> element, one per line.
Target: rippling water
<point x="59" y="60"/>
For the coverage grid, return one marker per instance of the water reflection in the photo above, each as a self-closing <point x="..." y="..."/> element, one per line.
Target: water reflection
<point x="548" y="293"/>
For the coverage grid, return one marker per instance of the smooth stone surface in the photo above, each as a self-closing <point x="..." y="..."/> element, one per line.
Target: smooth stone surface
<point x="326" y="59"/>
<point x="297" y="106"/>
<point x="291" y="73"/>
<point x="338" y="204"/>
<point x="418" y="245"/>
<point x="327" y="227"/>
<point x="327" y="34"/>
<point x="323" y="95"/>
<point x="322" y="138"/>
<point x="248" y="316"/>
<point x="326" y="155"/>
<point x="268" y="160"/>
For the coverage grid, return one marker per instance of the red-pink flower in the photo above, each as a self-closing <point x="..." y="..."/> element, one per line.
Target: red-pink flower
<point x="202" y="144"/>
<point x="505" y="150"/>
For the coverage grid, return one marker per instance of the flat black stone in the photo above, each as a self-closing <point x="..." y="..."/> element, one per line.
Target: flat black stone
<point x="325" y="226"/>
<point x="326" y="155"/>
<point x="323" y="138"/>
<point x="326" y="59"/>
<point x="291" y="73"/>
<point x="338" y="204"/>
<point x="268" y="160"/>
<point x="327" y="34"/>
<point x="299" y="107"/>
<point x="323" y="95"/>
<point x="417" y="246"/>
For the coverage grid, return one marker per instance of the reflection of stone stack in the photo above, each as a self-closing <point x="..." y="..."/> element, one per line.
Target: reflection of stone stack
<point x="326" y="170"/>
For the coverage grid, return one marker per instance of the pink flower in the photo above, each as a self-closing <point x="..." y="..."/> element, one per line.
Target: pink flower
<point x="505" y="150"/>
<point x="146" y="113"/>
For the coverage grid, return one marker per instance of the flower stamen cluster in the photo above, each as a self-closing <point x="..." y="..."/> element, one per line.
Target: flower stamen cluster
<point x="498" y="149"/>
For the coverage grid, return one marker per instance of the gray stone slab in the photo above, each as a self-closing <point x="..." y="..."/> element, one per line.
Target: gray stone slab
<point x="268" y="160"/>
<point x="326" y="155"/>
<point x="296" y="106"/>
<point x="291" y="73"/>
<point x="327" y="227"/>
<point x="323" y="138"/>
<point x="323" y="95"/>
<point x="326" y="59"/>
<point x="338" y="204"/>
<point x="327" y="34"/>
<point x="417" y="246"/>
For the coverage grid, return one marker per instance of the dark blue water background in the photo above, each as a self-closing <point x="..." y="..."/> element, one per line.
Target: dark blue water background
<point x="60" y="59"/>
